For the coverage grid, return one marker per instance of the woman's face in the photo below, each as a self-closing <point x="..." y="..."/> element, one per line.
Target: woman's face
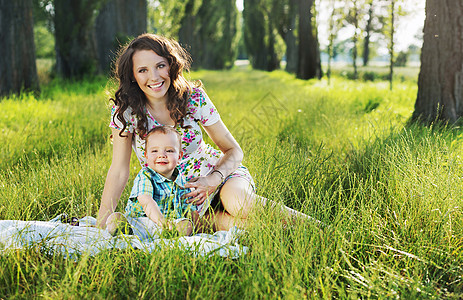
<point x="151" y="72"/>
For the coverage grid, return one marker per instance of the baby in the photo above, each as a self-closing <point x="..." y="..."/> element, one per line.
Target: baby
<point x="157" y="197"/>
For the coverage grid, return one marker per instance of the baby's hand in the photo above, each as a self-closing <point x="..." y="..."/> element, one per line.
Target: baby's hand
<point x="167" y="225"/>
<point x="169" y="230"/>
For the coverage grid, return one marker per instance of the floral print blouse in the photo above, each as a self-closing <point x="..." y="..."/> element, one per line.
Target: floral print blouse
<point x="198" y="157"/>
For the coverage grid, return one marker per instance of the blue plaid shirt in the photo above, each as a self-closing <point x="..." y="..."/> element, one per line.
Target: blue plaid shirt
<point x="165" y="192"/>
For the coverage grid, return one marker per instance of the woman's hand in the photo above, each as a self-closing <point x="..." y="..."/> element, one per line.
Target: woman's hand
<point x="202" y="187"/>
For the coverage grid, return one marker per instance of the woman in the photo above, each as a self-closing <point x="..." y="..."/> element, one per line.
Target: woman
<point x="153" y="92"/>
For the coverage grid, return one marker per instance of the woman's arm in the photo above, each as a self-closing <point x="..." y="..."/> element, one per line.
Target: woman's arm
<point x="229" y="162"/>
<point x="117" y="177"/>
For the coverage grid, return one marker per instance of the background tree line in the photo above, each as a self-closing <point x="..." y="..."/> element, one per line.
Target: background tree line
<point x="86" y="34"/>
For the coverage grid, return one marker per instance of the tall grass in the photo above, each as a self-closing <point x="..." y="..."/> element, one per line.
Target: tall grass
<point x="342" y="152"/>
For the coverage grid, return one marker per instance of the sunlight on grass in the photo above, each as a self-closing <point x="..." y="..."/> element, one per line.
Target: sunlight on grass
<point x="343" y="152"/>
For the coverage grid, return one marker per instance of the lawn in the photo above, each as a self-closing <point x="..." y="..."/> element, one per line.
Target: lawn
<point x="343" y="152"/>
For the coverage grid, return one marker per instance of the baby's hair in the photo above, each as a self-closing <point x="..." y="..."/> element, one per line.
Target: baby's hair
<point x="164" y="130"/>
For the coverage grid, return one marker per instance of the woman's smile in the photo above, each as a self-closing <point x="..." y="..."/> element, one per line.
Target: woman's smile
<point x="151" y="73"/>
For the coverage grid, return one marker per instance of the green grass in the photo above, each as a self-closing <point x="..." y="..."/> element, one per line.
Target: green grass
<point x="342" y="152"/>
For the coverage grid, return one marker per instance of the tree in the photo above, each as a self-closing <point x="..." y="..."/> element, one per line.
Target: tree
<point x="368" y="31"/>
<point x="118" y="21"/>
<point x="353" y="16"/>
<point x="309" y="64"/>
<point x="259" y="35"/>
<point x="396" y="10"/>
<point x="285" y="15"/>
<point x="17" y="59"/>
<point x="440" y="82"/>
<point x="391" y="44"/>
<point x="216" y="34"/>
<point x="165" y="17"/>
<point x="74" y="37"/>
<point x="374" y="24"/>
<point x="334" y="25"/>
<point x="189" y="23"/>
<point x="44" y="38"/>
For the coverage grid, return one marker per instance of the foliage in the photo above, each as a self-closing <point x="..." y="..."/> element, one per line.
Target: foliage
<point x="391" y="193"/>
<point x="74" y="38"/>
<point x="217" y="34"/>
<point x="164" y="17"/>
<point x="208" y="30"/>
<point x="260" y="35"/>
<point x="401" y="59"/>
<point x="44" y="42"/>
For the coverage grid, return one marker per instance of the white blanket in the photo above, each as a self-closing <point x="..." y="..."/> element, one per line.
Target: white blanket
<point x="73" y="241"/>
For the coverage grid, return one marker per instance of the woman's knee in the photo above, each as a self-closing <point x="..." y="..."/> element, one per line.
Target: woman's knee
<point x="238" y="197"/>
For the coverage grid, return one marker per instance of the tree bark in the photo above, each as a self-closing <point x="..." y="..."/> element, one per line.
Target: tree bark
<point x="17" y="54"/>
<point x="118" y="22"/>
<point x="75" y="39"/>
<point x="291" y="41"/>
<point x="309" y="53"/>
<point x="440" y="82"/>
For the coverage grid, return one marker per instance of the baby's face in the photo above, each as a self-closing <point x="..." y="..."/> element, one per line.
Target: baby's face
<point x="163" y="153"/>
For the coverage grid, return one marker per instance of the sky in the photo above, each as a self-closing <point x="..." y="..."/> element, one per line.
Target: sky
<point x="407" y="27"/>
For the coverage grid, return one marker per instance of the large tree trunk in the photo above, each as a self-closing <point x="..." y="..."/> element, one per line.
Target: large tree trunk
<point x="74" y="36"/>
<point x="284" y="16"/>
<point x="440" y="82"/>
<point x="309" y="53"/>
<point x="17" y="54"/>
<point x="290" y="40"/>
<point x="118" y="22"/>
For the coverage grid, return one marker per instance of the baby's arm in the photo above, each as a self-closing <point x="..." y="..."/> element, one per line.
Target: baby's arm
<point x="152" y="211"/>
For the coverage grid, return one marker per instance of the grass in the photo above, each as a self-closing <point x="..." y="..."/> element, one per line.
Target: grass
<point x="342" y="152"/>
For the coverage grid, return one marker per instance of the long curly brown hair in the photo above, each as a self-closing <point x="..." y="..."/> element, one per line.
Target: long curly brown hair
<point x="129" y="93"/>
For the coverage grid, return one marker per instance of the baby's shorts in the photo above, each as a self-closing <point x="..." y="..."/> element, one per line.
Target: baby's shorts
<point x="145" y="228"/>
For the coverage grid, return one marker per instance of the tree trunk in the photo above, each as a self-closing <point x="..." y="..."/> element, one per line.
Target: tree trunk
<point x="117" y="23"/>
<point x="187" y="34"/>
<point x="255" y="34"/>
<point x="366" y="41"/>
<point x="309" y="53"/>
<point x="74" y="36"/>
<point x="355" y="38"/>
<point x="17" y="55"/>
<point x="440" y="82"/>
<point x="273" y="63"/>
<point x="391" y="47"/>
<point x="291" y="41"/>
<point x="332" y="29"/>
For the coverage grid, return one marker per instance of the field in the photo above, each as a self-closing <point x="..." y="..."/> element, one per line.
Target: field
<point x="343" y="152"/>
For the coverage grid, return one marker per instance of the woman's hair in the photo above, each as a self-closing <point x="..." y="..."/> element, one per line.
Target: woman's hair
<point x="129" y="93"/>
